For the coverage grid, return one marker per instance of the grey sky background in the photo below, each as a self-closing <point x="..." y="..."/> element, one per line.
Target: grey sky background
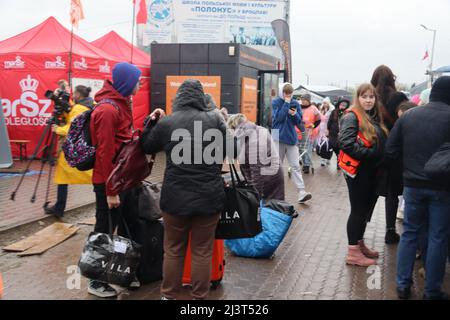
<point x="333" y="41"/>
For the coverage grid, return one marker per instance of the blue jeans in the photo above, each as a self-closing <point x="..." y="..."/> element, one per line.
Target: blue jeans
<point x="424" y="208"/>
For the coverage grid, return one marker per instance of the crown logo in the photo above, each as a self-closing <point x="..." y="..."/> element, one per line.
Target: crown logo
<point x="29" y="84"/>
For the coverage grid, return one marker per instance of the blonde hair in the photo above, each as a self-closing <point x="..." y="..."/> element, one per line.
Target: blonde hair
<point x="235" y="120"/>
<point x="288" y="88"/>
<point x="366" y="126"/>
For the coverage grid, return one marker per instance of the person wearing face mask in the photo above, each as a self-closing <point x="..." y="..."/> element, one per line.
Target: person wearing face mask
<point x="362" y="137"/>
<point x="65" y="174"/>
<point x="333" y="124"/>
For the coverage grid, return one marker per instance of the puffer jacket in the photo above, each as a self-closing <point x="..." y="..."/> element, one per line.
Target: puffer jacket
<point x="333" y="124"/>
<point x="192" y="186"/>
<point x="415" y="137"/>
<point x="348" y="142"/>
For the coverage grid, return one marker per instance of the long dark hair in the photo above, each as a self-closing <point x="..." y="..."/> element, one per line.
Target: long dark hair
<point x="383" y="79"/>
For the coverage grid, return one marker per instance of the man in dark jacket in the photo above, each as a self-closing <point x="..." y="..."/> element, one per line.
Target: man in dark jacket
<point x="415" y="137"/>
<point x="111" y="124"/>
<point x="192" y="195"/>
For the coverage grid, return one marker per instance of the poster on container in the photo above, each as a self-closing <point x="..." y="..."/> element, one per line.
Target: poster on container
<point x="210" y="84"/>
<point x="207" y="21"/>
<point x="249" y="98"/>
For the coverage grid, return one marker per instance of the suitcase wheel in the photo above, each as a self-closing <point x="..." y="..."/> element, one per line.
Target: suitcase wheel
<point x="215" y="284"/>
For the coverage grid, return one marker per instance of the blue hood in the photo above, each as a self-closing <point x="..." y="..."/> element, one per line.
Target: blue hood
<point x="125" y="78"/>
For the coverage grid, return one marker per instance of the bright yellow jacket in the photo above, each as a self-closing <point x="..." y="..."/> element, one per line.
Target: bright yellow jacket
<point x="65" y="174"/>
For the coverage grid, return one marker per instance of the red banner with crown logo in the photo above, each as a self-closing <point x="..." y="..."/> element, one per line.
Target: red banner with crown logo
<point x="25" y="107"/>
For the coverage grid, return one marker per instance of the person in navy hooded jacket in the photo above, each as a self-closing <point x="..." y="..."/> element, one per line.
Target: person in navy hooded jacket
<point x="286" y="115"/>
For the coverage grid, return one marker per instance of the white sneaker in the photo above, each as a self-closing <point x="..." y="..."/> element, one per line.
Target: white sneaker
<point x="101" y="289"/>
<point x="304" y="196"/>
<point x="135" y="284"/>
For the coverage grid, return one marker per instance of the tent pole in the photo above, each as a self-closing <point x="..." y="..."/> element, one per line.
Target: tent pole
<point x="70" y="57"/>
<point x="132" y="32"/>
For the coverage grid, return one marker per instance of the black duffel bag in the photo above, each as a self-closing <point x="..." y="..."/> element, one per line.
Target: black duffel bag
<point x="281" y="206"/>
<point x="110" y="258"/>
<point x="241" y="217"/>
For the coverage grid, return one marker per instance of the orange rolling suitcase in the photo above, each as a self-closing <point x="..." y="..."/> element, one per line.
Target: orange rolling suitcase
<point x="218" y="265"/>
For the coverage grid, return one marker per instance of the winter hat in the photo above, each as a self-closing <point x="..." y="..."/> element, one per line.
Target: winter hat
<point x="306" y="96"/>
<point x="441" y="90"/>
<point x="125" y="78"/>
<point x="425" y="96"/>
<point x="415" y="99"/>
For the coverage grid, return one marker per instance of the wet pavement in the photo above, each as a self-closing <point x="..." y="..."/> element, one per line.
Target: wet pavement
<point x="21" y="211"/>
<point x="309" y="264"/>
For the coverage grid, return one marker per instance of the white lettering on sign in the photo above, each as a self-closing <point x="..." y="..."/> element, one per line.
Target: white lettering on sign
<point x="16" y="64"/>
<point x="58" y="64"/>
<point x="28" y="109"/>
<point x="82" y="65"/>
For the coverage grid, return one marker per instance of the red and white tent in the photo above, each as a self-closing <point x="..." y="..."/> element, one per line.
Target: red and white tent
<point x="122" y="50"/>
<point x="33" y="62"/>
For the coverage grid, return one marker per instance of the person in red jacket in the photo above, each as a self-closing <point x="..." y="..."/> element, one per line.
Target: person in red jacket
<point x="111" y="124"/>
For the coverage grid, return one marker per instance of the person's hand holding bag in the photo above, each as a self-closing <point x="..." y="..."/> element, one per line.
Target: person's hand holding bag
<point x="113" y="201"/>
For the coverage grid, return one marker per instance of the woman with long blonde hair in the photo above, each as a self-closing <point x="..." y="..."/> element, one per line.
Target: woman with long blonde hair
<point x="362" y="138"/>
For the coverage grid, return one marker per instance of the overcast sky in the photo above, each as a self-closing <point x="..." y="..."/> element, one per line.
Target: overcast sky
<point x="334" y="41"/>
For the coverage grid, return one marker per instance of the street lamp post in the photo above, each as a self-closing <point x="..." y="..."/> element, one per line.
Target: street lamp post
<point x="307" y="79"/>
<point x="432" y="51"/>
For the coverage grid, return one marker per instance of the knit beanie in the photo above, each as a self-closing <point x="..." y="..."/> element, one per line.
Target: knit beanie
<point x="125" y="78"/>
<point x="441" y="90"/>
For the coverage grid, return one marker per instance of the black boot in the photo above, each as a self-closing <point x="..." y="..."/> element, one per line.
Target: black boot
<point x="53" y="211"/>
<point x="403" y="293"/>
<point x="50" y="210"/>
<point x="440" y="296"/>
<point x="391" y="237"/>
